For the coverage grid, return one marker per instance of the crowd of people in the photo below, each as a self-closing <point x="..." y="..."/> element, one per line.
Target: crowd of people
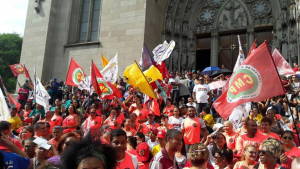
<point x="181" y="130"/>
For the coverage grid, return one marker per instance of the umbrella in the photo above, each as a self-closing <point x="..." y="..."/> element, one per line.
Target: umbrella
<point x="225" y="72"/>
<point x="209" y="70"/>
<point x="216" y="85"/>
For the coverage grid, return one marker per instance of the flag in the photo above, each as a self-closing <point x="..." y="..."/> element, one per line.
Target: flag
<point x="135" y="77"/>
<point x="241" y="56"/>
<point x="41" y="95"/>
<point x="163" y="69"/>
<point x="110" y="71"/>
<point x="253" y="47"/>
<point x="75" y="74"/>
<point x="163" y="51"/>
<point x="153" y="74"/>
<point x="86" y="84"/>
<point x="4" y="112"/>
<point x="28" y="78"/>
<point x="103" y="88"/>
<point x="251" y="82"/>
<point x="146" y="59"/>
<point x="282" y="65"/>
<point x="17" y="69"/>
<point x="12" y="101"/>
<point x="104" y="61"/>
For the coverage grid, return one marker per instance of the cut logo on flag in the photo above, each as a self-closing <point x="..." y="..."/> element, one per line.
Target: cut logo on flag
<point x="19" y="68"/>
<point x="245" y="84"/>
<point x="77" y="76"/>
<point x="105" y="89"/>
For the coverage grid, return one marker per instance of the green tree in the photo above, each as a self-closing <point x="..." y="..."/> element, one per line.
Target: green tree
<point x="10" y="52"/>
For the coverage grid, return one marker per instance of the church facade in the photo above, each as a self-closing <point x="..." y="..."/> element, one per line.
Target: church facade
<point x="205" y="32"/>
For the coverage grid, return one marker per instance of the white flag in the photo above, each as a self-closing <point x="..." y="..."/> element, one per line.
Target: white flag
<point x="163" y="51"/>
<point x="42" y="96"/>
<point x="4" y="112"/>
<point x="86" y="84"/>
<point x="110" y="72"/>
<point x="241" y="57"/>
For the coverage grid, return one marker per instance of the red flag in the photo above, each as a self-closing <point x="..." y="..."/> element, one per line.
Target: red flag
<point x="75" y="74"/>
<point x="253" y="47"/>
<point x="104" y="89"/>
<point x="163" y="69"/>
<point x="28" y="78"/>
<point x="256" y="80"/>
<point x="17" y="69"/>
<point x="13" y="102"/>
<point x="282" y="65"/>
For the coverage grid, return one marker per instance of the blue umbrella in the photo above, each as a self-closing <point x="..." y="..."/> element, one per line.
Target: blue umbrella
<point x="209" y="70"/>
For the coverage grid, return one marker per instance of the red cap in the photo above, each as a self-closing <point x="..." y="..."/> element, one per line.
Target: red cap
<point x="161" y="134"/>
<point x="131" y="89"/>
<point x="28" y="120"/>
<point x="143" y="152"/>
<point x="154" y="130"/>
<point x="190" y="73"/>
<point x="151" y="113"/>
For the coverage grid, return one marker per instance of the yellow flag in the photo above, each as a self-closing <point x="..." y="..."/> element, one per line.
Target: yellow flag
<point x="104" y="61"/>
<point x="135" y="77"/>
<point x="153" y="74"/>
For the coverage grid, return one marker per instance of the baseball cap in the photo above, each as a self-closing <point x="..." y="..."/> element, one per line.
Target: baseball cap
<point x="143" y="152"/>
<point x="154" y="130"/>
<point x="54" y="78"/>
<point x="161" y="134"/>
<point x="131" y="89"/>
<point x="190" y="73"/>
<point x="151" y="113"/>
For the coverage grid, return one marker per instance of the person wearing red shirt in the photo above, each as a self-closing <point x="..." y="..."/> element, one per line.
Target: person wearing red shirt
<point x="48" y="119"/>
<point x="5" y="129"/>
<point x="93" y="123"/>
<point x="251" y="138"/>
<point x="230" y="135"/>
<point x="27" y="110"/>
<point x="150" y="124"/>
<point x="41" y="130"/>
<point x="142" y="113"/>
<point x="127" y="128"/>
<point x="57" y="132"/>
<point x="266" y="128"/>
<point x="133" y="106"/>
<point x="57" y="119"/>
<point x="290" y="150"/>
<point x="169" y="87"/>
<point x="168" y="110"/>
<point x="23" y="95"/>
<point x="114" y="121"/>
<point x="164" y="125"/>
<point x="72" y="121"/>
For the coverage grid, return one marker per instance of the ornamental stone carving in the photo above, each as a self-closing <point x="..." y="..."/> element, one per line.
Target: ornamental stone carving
<point x="177" y="27"/>
<point x="183" y="57"/>
<point x="248" y="1"/>
<point x="207" y="15"/>
<point x="175" y="58"/>
<point x="185" y="29"/>
<point x="169" y="25"/>
<point x="283" y="17"/>
<point x="215" y="3"/>
<point x="284" y="4"/>
<point x="292" y="12"/>
<point x="260" y="8"/>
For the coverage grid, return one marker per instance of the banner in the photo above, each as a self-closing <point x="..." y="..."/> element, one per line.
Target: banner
<point x="153" y="74"/>
<point x="104" y="89"/>
<point x="75" y="74"/>
<point x="17" y="69"/>
<point x="163" y="51"/>
<point x="86" y="84"/>
<point x="282" y="65"/>
<point x="110" y="71"/>
<point x="135" y="77"/>
<point x="251" y="82"/>
<point x="41" y="95"/>
<point x="12" y="101"/>
<point x="163" y="69"/>
<point x="241" y="57"/>
<point x="146" y="59"/>
<point x="4" y="112"/>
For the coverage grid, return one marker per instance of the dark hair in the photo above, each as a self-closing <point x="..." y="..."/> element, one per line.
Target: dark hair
<point x="226" y="153"/>
<point x="168" y="99"/>
<point x="191" y="107"/>
<point x="205" y="109"/>
<point x="103" y="128"/>
<point x="141" y="135"/>
<point x="250" y="120"/>
<point x="287" y="132"/>
<point x="215" y="148"/>
<point x="138" y="96"/>
<point x="58" y="128"/>
<point x="132" y="141"/>
<point x="172" y="133"/>
<point x="4" y="125"/>
<point x="30" y="139"/>
<point x="117" y="133"/>
<point x="62" y="141"/>
<point x="266" y="119"/>
<point x="37" y="125"/>
<point x="68" y="109"/>
<point x="77" y="104"/>
<point x="88" y="147"/>
<point x="29" y="128"/>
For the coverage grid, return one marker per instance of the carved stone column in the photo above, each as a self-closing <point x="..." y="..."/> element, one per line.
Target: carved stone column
<point x="214" y="51"/>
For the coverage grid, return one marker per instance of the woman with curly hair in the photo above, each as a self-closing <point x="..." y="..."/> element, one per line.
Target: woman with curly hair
<point x="223" y="158"/>
<point x="89" y="153"/>
<point x="199" y="155"/>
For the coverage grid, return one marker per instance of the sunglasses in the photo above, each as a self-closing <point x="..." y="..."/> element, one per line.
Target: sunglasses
<point x="290" y="138"/>
<point x="263" y="152"/>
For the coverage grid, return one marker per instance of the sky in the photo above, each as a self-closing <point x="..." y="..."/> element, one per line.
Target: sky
<point x="13" y="16"/>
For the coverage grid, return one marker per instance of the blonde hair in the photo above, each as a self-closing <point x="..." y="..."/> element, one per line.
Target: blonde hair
<point x="198" y="152"/>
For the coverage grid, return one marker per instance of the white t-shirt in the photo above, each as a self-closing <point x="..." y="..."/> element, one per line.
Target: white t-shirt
<point x="194" y="104"/>
<point x="176" y="122"/>
<point x="151" y="144"/>
<point x="171" y="80"/>
<point x="201" y="93"/>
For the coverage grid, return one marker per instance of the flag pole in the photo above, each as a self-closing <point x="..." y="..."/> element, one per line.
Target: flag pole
<point x="297" y="132"/>
<point x="146" y="79"/>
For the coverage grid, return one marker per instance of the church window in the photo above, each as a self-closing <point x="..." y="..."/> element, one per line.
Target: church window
<point x="89" y="20"/>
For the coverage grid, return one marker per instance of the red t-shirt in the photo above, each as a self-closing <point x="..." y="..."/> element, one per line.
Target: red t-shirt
<point x="57" y="120"/>
<point x="69" y="121"/>
<point x="242" y="141"/>
<point x="141" y="115"/>
<point x="93" y="124"/>
<point x="22" y="96"/>
<point x="292" y="154"/>
<point x="147" y="127"/>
